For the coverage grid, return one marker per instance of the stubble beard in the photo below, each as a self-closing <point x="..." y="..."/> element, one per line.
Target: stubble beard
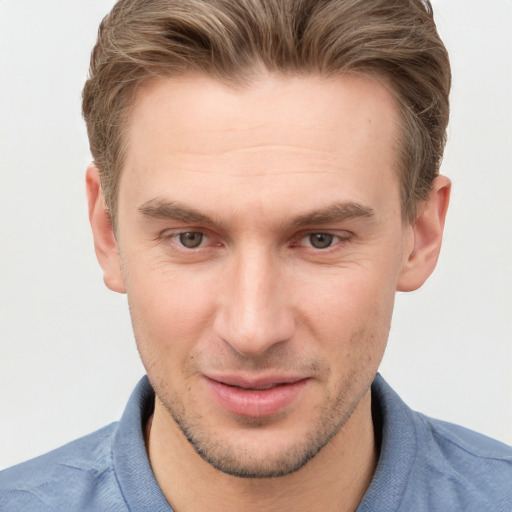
<point x="238" y="461"/>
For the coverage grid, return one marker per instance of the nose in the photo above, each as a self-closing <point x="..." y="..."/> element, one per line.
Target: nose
<point x="255" y="311"/>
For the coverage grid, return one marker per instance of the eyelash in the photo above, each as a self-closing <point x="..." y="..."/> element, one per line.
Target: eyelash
<point x="338" y="239"/>
<point x="174" y="237"/>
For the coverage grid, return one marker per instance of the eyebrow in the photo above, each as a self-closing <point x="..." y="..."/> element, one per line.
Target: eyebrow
<point x="336" y="212"/>
<point x="170" y="210"/>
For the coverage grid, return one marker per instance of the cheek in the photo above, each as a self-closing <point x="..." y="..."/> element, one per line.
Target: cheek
<point x="347" y="296"/>
<point x="170" y="311"/>
<point x="353" y="332"/>
<point x="349" y="315"/>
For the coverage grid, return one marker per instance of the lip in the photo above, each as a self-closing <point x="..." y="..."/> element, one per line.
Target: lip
<point x="255" y="397"/>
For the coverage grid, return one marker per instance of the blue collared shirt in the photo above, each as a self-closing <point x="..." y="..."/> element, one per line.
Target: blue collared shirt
<point x="424" y="465"/>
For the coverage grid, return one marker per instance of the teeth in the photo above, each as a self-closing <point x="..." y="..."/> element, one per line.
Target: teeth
<point x="261" y="388"/>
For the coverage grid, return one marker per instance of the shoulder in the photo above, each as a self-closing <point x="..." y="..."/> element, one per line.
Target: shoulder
<point x="463" y="440"/>
<point x="77" y="476"/>
<point x="462" y="466"/>
<point x="433" y="464"/>
<point x="461" y="446"/>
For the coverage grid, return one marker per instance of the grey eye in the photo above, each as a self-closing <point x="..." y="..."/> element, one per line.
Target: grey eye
<point x="191" y="239"/>
<point x="321" y="240"/>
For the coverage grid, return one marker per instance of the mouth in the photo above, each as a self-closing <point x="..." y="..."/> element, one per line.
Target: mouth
<point x="259" y="388"/>
<point x="256" y="397"/>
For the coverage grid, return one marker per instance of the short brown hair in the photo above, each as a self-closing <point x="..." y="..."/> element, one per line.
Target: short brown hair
<point x="393" y="40"/>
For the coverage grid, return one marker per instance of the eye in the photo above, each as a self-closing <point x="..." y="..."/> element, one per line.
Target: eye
<point x="320" y="240"/>
<point x="191" y="239"/>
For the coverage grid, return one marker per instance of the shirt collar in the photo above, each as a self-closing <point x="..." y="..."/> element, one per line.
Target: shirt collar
<point x="398" y="450"/>
<point x="393" y="420"/>
<point x="131" y="463"/>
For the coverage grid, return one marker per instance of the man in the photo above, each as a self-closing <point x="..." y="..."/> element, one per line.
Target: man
<point x="265" y="178"/>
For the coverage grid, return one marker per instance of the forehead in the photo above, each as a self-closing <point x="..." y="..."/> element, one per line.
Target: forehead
<point x="265" y="109"/>
<point x="293" y="134"/>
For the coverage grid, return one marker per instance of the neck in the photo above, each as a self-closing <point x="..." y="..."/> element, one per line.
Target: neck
<point x="334" y="480"/>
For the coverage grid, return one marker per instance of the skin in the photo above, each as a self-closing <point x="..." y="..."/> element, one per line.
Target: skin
<point x="260" y="176"/>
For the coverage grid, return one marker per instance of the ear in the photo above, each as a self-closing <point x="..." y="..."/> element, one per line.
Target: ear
<point x="427" y="235"/>
<point x="105" y="243"/>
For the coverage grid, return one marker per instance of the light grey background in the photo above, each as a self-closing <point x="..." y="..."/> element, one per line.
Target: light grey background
<point x="67" y="356"/>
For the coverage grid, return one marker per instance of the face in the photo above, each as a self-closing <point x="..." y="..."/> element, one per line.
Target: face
<point x="261" y="242"/>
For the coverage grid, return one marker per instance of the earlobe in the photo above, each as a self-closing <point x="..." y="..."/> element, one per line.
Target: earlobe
<point x="428" y="234"/>
<point x="105" y="243"/>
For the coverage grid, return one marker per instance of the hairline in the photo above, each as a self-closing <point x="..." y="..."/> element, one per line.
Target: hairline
<point x="245" y="79"/>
